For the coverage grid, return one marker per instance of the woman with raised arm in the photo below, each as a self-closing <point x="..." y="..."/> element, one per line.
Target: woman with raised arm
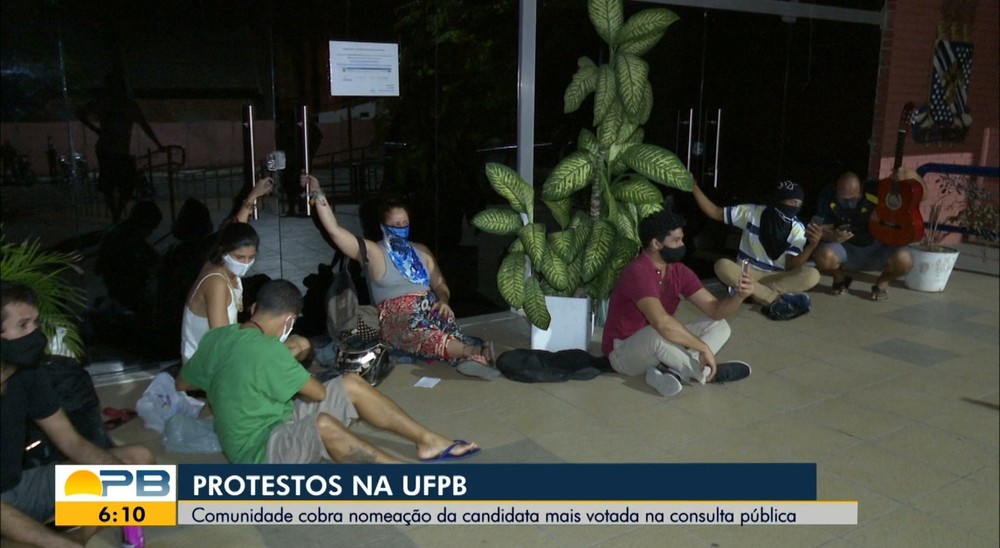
<point x="216" y="298"/>
<point x="408" y="288"/>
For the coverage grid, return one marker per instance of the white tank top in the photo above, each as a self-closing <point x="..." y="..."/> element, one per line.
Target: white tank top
<point x="194" y="327"/>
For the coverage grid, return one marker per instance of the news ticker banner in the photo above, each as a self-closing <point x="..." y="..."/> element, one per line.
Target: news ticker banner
<point x="418" y="494"/>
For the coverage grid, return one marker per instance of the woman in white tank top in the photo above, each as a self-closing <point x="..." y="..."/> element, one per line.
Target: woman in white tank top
<point x="217" y="296"/>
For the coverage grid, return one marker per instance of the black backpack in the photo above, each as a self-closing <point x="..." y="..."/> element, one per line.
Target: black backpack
<point x="543" y="366"/>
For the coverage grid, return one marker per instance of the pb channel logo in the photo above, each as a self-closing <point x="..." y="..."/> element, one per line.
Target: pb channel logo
<point x="116" y="495"/>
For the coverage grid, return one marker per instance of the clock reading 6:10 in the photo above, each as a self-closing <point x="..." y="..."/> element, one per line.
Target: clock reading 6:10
<point x="129" y="515"/>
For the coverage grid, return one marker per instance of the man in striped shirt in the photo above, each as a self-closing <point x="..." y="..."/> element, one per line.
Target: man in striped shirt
<point x="776" y="245"/>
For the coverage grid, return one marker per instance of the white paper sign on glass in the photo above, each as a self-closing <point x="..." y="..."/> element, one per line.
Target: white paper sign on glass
<point x="363" y="69"/>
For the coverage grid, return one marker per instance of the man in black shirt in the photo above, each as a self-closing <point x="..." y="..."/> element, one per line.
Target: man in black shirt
<point x="848" y="244"/>
<point x="27" y="496"/>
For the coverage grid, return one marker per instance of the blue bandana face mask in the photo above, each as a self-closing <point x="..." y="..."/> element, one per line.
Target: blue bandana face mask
<point x="397" y="231"/>
<point x="403" y="256"/>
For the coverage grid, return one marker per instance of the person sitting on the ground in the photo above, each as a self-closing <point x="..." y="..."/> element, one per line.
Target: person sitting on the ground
<point x="848" y="244"/>
<point x="251" y="380"/>
<point x="641" y="334"/>
<point x="27" y="499"/>
<point x="408" y="288"/>
<point x="127" y="263"/>
<point x="217" y="296"/>
<point x="776" y="246"/>
<point x="216" y="299"/>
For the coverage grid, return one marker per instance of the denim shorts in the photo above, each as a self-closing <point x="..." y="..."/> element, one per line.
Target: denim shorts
<point x="857" y="258"/>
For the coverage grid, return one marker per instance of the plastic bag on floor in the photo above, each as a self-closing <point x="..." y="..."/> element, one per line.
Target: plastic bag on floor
<point x="161" y="400"/>
<point x="184" y="434"/>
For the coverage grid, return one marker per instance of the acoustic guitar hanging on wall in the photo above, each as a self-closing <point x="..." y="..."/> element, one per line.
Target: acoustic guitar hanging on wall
<point x="896" y="220"/>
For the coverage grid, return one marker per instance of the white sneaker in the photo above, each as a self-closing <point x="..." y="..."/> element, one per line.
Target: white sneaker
<point x="666" y="383"/>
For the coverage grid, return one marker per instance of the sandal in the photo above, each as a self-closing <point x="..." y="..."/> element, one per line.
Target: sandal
<point x="841" y="287"/>
<point x="118" y="417"/>
<point x="879" y="294"/>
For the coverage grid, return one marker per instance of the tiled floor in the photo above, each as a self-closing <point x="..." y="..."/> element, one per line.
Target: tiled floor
<point x="896" y="402"/>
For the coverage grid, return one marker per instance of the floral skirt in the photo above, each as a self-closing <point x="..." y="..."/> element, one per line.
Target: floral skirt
<point x="410" y="324"/>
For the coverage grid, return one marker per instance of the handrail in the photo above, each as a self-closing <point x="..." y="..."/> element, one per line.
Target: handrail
<point x="956" y="169"/>
<point x="170" y="164"/>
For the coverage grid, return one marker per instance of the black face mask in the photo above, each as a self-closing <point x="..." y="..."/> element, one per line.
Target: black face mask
<point x="775" y="226"/>
<point x="787" y="210"/>
<point x="850" y="204"/>
<point x="672" y="255"/>
<point x="26" y="351"/>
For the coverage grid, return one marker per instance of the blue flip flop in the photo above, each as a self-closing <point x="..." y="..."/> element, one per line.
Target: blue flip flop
<point x="447" y="454"/>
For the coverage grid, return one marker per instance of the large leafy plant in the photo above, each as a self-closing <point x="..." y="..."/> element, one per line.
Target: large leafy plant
<point x="620" y="173"/>
<point x="44" y="272"/>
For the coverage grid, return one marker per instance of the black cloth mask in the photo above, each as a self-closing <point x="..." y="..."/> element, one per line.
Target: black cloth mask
<point x="775" y="226"/>
<point x="672" y="255"/>
<point x="25" y="351"/>
<point x="789" y="211"/>
<point x="850" y="204"/>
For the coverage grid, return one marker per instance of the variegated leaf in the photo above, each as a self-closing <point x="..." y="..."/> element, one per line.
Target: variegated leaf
<point x="533" y="238"/>
<point x="625" y="131"/>
<point x="659" y="165"/>
<point x="605" y="94"/>
<point x="647" y="106"/>
<point x="580" y="86"/>
<point x="498" y="221"/>
<point x="587" y="142"/>
<point x="555" y="271"/>
<point x="643" y="30"/>
<point x="562" y="243"/>
<point x="607" y="131"/>
<point x="626" y="222"/>
<point x="560" y="210"/>
<point x="511" y="186"/>
<point x="645" y="210"/>
<point x="580" y="234"/>
<point x="602" y="237"/>
<point x="510" y="279"/>
<point x="571" y="174"/>
<point x="637" y="190"/>
<point x="631" y="75"/>
<point x="607" y="16"/>
<point x="534" y="304"/>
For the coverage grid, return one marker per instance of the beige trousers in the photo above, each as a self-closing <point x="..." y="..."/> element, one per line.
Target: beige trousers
<point x="646" y="348"/>
<point x="769" y="285"/>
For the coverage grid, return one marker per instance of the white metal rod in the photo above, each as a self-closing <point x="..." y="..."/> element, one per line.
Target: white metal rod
<point x="718" y="132"/>
<point x="690" y="135"/>
<point x="305" y="151"/>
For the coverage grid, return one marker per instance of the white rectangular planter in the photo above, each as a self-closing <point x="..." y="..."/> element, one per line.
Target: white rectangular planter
<point x="571" y="327"/>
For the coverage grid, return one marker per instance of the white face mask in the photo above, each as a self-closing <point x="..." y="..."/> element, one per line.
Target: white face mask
<point x="285" y="332"/>
<point x="236" y="267"/>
